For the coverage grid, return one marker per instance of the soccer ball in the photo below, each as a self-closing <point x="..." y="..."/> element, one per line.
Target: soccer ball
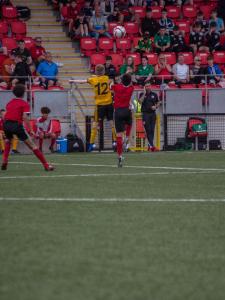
<point x="119" y="32"/>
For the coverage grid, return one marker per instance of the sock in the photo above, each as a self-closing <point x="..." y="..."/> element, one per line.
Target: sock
<point x="40" y="156"/>
<point x="2" y="144"/>
<point x="93" y="135"/>
<point x="128" y="130"/>
<point x="119" y="141"/>
<point x="52" y="143"/>
<point x="6" y="152"/>
<point x="40" y="144"/>
<point x="113" y="134"/>
<point x="15" y="143"/>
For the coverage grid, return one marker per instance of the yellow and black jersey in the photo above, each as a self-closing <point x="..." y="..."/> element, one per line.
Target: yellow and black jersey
<point x="102" y="91"/>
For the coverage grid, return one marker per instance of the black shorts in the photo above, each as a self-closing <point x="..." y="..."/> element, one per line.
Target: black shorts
<point x="13" y="127"/>
<point x="122" y="117"/>
<point x="104" y="111"/>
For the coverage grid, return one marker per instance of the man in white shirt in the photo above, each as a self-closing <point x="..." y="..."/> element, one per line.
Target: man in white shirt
<point x="180" y="71"/>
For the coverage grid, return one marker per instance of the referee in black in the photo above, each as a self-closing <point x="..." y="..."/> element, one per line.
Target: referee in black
<point x="149" y="103"/>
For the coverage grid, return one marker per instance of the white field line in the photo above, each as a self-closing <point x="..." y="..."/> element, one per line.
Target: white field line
<point x="115" y="166"/>
<point x="109" y="199"/>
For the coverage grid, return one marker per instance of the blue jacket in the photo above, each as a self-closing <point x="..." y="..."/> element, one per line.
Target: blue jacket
<point x="48" y="70"/>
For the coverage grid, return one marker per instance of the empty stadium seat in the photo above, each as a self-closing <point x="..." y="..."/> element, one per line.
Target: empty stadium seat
<point x="188" y="58"/>
<point x="136" y="57"/>
<point x="2" y="58"/>
<point x="105" y="45"/>
<point x="189" y="11"/>
<point x="152" y="58"/>
<point x="96" y="59"/>
<point x="29" y="42"/>
<point x="19" y="29"/>
<point x="135" y="41"/>
<point x="117" y="60"/>
<point x="88" y="46"/>
<point x="173" y="12"/>
<point x="111" y="26"/>
<point x="170" y="57"/>
<point x="9" y="13"/>
<point x="139" y="10"/>
<point x="64" y="13"/>
<point x="3" y="29"/>
<point x="219" y="57"/>
<point x="123" y="45"/>
<point x="156" y="12"/>
<point x="206" y="10"/>
<point x="183" y="25"/>
<point x="9" y="43"/>
<point x="132" y="29"/>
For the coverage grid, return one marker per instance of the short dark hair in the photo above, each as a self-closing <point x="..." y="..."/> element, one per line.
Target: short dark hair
<point x="145" y="57"/>
<point x="45" y="110"/>
<point x="210" y="57"/>
<point x="126" y="79"/>
<point x="108" y="57"/>
<point x="20" y="41"/>
<point x="19" y="90"/>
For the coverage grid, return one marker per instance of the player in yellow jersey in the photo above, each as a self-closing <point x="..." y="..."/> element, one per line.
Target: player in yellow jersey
<point x="103" y="101"/>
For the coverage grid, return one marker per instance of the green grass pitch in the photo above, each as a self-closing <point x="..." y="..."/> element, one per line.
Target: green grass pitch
<point x="153" y="230"/>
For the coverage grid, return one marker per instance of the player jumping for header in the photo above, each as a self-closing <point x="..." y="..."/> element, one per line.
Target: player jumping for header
<point x="17" y="111"/>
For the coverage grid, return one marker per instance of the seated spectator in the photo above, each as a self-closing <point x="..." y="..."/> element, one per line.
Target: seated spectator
<point x="87" y="10"/>
<point x="197" y="71"/>
<point x="48" y="71"/>
<point x="110" y="70"/>
<point x="43" y="129"/>
<point x="163" y="70"/>
<point x="144" y="44"/>
<point x="166" y="22"/>
<point x="221" y="9"/>
<point x="98" y="25"/>
<point x="3" y="50"/>
<point x="180" y="71"/>
<point x="197" y="38"/>
<point x="128" y="15"/>
<point x="212" y="39"/>
<point x="219" y="21"/>
<point x="23" y="52"/>
<point x="106" y="7"/>
<point x="72" y="15"/>
<point x="213" y="71"/>
<point x="162" y="40"/>
<point x="144" y="72"/>
<point x="37" y="51"/>
<point x="114" y="16"/>
<point x="8" y="67"/>
<point x="128" y="67"/>
<point x="203" y="23"/>
<point x="80" y="27"/>
<point x="149" y="24"/>
<point x="21" y="72"/>
<point x="178" y="43"/>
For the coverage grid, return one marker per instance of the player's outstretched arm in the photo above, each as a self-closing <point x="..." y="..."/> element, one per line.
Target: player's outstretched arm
<point x="78" y="81"/>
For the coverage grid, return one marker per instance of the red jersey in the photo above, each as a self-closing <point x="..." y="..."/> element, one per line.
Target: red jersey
<point x="122" y="95"/>
<point x="43" y="124"/>
<point x="15" y="110"/>
<point x="37" y="51"/>
<point x="1" y="124"/>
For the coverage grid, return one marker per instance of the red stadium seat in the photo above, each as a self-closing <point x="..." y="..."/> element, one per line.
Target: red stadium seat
<point x="55" y="126"/>
<point x="188" y="58"/>
<point x="203" y="56"/>
<point x="64" y="13"/>
<point x="132" y="29"/>
<point x="183" y="25"/>
<point x="3" y="29"/>
<point x="188" y="86"/>
<point x="152" y="58"/>
<point x="173" y="12"/>
<point x="135" y="40"/>
<point x="29" y="42"/>
<point x="105" y="45"/>
<point x="111" y="26"/>
<point x="9" y="43"/>
<point x="96" y="59"/>
<point x="88" y="46"/>
<point x="206" y="10"/>
<point x="117" y="60"/>
<point x="219" y="57"/>
<point x="19" y="29"/>
<point x="123" y="45"/>
<point x="189" y="11"/>
<point x="156" y="12"/>
<point x="9" y="13"/>
<point x="222" y="39"/>
<point x="136" y="57"/>
<point x="170" y="57"/>
<point x="139" y="10"/>
<point x="2" y="58"/>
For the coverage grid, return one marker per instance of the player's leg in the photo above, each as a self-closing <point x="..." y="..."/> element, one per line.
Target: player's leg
<point x="93" y="131"/>
<point x="15" y="142"/>
<point x="9" y="131"/>
<point x="41" y="137"/>
<point x="128" y="129"/>
<point x="53" y="140"/>
<point x="109" y="116"/>
<point x="2" y="142"/>
<point x="120" y="128"/>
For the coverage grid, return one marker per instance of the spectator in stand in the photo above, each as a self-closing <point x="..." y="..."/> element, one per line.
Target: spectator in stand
<point x="110" y="70"/>
<point x="166" y="22"/>
<point x="144" y="44"/>
<point x="178" y="43"/>
<point x="72" y="15"/>
<point x="87" y="10"/>
<point x="149" y="24"/>
<point x="212" y="39"/>
<point x="107" y="7"/>
<point x="8" y="67"/>
<point x="98" y="25"/>
<point x="221" y="9"/>
<point x="197" y="38"/>
<point x="80" y="27"/>
<point x="114" y="16"/>
<point x="128" y="67"/>
<point x="37" y="51"/>
<point x="219" y="22"/>
<point x="180" y="71"/>
<point x="128" y="16"/>
<point x="3" y="50"/>
<point x="21" y="72"/>
<point x="162" y="40"/>
<point x="163" y="70"/>
<point x="200" y="20"/>
<point x="144" y="72"/>
<point x="197" y="71"/>
<point x="47" y="71"/>
<point x="213" y="71"/>
<point x="23" y="52"/>
<point x="176" y="2"/>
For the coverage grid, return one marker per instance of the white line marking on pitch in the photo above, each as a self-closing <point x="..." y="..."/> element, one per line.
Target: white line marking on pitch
<point x="107" y="199"/>
<point x="134" y="167"/>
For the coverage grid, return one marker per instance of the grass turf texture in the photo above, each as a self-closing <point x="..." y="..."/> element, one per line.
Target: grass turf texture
<point x="114" y="250"/>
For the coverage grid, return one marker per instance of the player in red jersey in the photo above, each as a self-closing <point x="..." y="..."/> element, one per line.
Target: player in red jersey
<point x="17" y="111"/>
<point x="122" y="115"/>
